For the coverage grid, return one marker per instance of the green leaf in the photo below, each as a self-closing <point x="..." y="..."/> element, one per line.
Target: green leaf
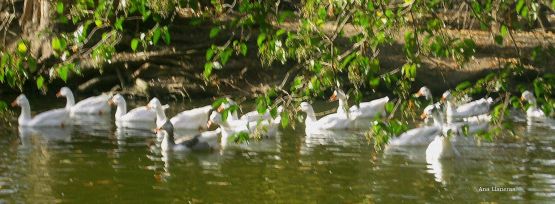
<point x="218" y="103"/>
<point x="244" y="49"/>
<point x="40" y="81"/>
<point x="284" y="119"/>
<point x="56" y="44"/>
<point x="347" y="60"/>
<point x="60" y="7"/>
<point x="519" y="5"/>
<point x="32" y="63"/>
<point x="225" y="114"/>
<point x="156" y="35"/>
<point x="63" y="72"/>
<point x="207" y="69"/>
<point x="22" y="47"/>
<point x="260" y="39"/>
<point x="273" y="112"/>
<point x="98" y="22"/>
<point x="214" y="32"/>
<point x="280" y="32"/>
<point x="463" y="85"/>
<point x="134" y="44"/>
<point x="166" y="36"/>
<point x="389" y="107"/>
<point x="118" y="25"/>
<point x="224" y="56"/>
<point x="504" y="31"/>
<point x="209" y="54"/>
<point x="261" y="105"/>
<point x="375" y="82"/>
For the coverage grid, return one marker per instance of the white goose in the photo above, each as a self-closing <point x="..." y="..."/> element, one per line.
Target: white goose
<point x="202" y="142"/>
<point x="440" y="148"/>
<point x="194" y="119"/>
<point x="424" y="91"/>
<point x="228" y="128"/>
<point x="420" y="136"/>
<point x="155" y="105"/>
<point x="533" y="111"/>
<point x="91" y="105"/>
<point x="138" y="118"/>
<point x="52" y="118"/>
<point x="363" y="110"/>
<point x="427" y="94"/>
<point x="473" y="108"/>
<point x="328" y="122"/>
<point x="475" y="123"/>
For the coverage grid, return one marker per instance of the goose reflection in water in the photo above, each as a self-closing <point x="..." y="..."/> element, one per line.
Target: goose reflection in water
<point x="319" y="138"/>
<point x="95" y="125"/>
<point x="168" y="164"/>
<point x="45" y="134"/>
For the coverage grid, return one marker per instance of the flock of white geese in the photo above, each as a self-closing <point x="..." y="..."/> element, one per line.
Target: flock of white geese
<point x="444" y="122"/>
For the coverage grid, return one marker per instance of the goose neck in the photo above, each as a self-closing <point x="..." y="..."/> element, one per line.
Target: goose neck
<point x="342" y="106"/>
<point x="70" y="100"/>
<point x="160" y="114"/>
<point x="121" y="109"/>
<point x="25" y="113"/>
<point x="310" y="116"/>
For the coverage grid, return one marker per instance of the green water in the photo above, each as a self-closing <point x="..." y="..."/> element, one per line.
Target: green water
<point x="97" y="163"/>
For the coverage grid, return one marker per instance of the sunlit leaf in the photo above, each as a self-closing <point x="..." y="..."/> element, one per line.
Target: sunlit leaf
<point x="60" y="7"/>
<point x="134" y="44"/>
<point x="156" y="35"/>
<point x="207" y="69"/>
<point x="463" y="85"/>
<point x="260" y="39"/>
<point x="214" y="32"/>
<point x="40" y="82"/>
<point x="22" y="47"/>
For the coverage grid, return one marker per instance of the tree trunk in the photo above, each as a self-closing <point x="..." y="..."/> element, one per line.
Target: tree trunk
<point x="35" y="22"/>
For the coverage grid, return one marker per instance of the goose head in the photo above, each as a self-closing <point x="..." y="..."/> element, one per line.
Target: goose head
<point x="427" y="112"/>
<point x="20" y="101"/>
<point x="154" y="103"/>
<point x="168" y="135"/>
<point x="424" y="91"/>
<point x="64" y="92"/>
<point x="446" y="96"/>
<point x="116" y="100"/>
<point x="215" y="118"/>
<point x="305" y="107"/>
<point x="338" y="94"/>
<point x="528" y="96"/>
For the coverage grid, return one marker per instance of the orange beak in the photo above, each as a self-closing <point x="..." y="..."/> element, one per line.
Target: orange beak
<point x="418" y="94"/>
<point x="333" y="97"/>
<point x="220" y="109"/>
<point x="156" y="130"/>
<point x="209" y="124"/>
<point x="14" y="103"/>
<point x="423" y="116"/>
<point x="443" y="99"/>
<point x="110" y="102"/>
<point x="59" y="94"/>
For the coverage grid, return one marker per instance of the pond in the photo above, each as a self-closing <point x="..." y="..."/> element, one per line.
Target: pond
<point x="95" y="162"/>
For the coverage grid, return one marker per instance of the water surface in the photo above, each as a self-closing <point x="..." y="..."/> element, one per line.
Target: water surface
<point x="93" y="161"/>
